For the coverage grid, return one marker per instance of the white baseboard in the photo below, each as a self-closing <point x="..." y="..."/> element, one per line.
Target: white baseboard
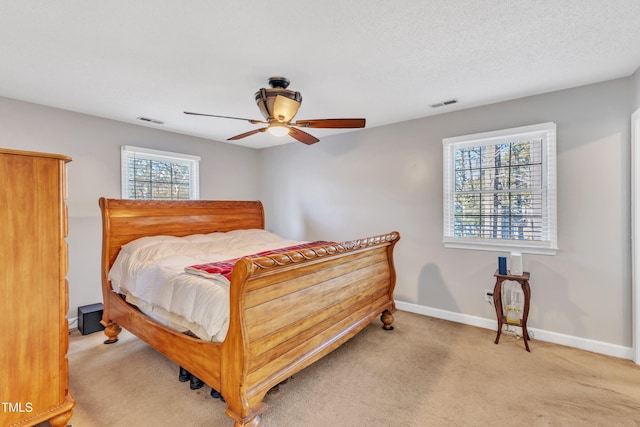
<point x="539" y="334"/>
<point x="73" y="322"/>
<point x="481" y="322"/>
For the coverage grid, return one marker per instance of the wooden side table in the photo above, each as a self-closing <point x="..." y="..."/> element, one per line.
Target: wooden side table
<point x="497" y="303"/>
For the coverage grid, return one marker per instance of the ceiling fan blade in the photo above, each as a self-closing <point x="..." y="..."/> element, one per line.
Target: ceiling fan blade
<point x="331" y="123"/>
<point x="303" y="137"/>
<point x="252" y="121"/>
<point x="244" y="135"/>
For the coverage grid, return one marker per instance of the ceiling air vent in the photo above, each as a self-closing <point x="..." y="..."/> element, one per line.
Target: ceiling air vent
<point x="443" y="103"/>
<point x="148" y="120"/>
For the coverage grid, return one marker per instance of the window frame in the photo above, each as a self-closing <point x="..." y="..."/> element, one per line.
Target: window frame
<point x="128" y="151"/>
<point x="549" y="244"/>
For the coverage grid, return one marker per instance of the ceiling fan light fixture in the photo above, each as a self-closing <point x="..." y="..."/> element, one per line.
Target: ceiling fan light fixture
<point x="277" y="130"/>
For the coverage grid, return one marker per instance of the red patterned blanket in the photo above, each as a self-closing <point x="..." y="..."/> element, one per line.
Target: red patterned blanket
<point x="225" y="268"/>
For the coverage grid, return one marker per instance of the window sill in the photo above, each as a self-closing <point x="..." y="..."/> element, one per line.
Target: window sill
<point x="481" y="245"/>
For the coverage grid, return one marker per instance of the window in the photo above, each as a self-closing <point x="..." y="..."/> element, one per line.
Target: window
<point x="500" y="190"/>
<point x="158" y="175"/>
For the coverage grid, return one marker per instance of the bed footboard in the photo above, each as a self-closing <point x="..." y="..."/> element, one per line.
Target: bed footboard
<point x="289" y="310"/>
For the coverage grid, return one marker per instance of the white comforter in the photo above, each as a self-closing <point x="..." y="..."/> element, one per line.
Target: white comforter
<point x="150" y="272"/>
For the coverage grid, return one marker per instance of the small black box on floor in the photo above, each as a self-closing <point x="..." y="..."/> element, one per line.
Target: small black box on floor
<point x="89" y="317"/>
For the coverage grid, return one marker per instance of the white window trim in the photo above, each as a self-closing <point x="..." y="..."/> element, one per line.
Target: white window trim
<point x="547" y="247"/>
<point x="193" y="162"/>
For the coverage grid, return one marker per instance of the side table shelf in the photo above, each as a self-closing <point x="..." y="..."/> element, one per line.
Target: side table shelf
<point x="523" y="280"/>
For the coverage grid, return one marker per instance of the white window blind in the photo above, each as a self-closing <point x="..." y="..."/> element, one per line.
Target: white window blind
<point x="500" y="190"/>
<point x="158" y="175"/>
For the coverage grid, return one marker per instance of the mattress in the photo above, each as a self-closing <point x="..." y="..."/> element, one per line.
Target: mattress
<point x="150" y="272"/>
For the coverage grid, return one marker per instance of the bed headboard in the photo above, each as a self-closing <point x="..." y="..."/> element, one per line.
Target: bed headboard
<point x="127" y="220"/>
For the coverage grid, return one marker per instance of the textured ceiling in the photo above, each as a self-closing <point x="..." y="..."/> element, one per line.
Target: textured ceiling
<point x="382" y="60"/>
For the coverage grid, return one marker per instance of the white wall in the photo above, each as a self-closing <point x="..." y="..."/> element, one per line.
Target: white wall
<point x="94" y="144"/>
<point x="390" y="178"/>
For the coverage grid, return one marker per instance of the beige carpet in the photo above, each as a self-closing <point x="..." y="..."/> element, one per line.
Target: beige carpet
<point x="427" y="372"/>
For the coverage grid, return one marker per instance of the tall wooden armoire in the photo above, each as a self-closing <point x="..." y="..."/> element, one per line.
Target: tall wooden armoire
<point x="34" y="335"/>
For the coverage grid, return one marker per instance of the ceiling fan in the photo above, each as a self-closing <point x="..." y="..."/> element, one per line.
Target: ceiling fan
<point x="279" y="105"/>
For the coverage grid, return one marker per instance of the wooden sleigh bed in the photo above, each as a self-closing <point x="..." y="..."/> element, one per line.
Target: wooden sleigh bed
<point x="286" y="310"/>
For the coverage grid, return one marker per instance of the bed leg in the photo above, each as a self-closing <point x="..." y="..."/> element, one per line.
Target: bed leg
<point x="250" y="421"/>
<point x="111" y="330"/>
<point x="387" y="319"/>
